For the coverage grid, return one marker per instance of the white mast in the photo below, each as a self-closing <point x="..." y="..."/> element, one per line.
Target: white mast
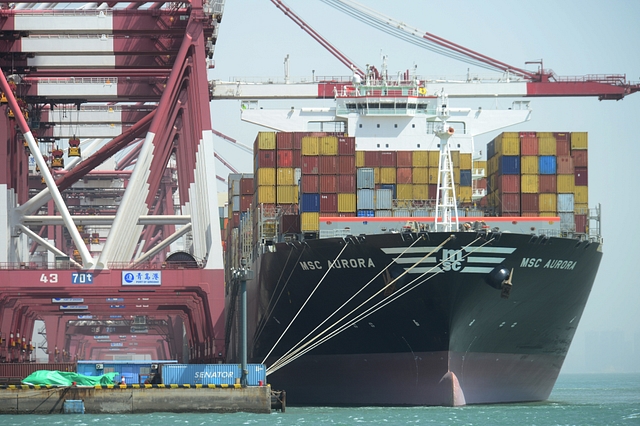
<point x="446" y="207"/>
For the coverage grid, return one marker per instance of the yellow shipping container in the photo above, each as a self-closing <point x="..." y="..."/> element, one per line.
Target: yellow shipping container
<point x="544" y="134"/>
<point x="434" y="158"/>
<point x="376" y="175"/>
<point x="581" y="208"/>
<point x="433" y="175"/>
<point x="456" y="174"/>
<point x="346" y="203"/>
<point x="548" y="214"/>
<point x="266" y="140"/>
<point x="547" y="202"/>
<point x="328" y="145"/>
<point x="465" y="194"/>
<point x="420" y="175"/>
<point x="529" y="184"/>
<point x="546" y="145"/>
<point x="267" y="194"/>
<point x="455" y="158"/>
<point x="581" y="194"/>
<point x="565" y="184"/>
<point x="465" y="161"/>
<point x="310" y="221"/>
<point x="285" y="176"/>
<point x="507" y="145"/>
<point x="404" y="191"/>
<point x="287" y="194"/>
<point x="388" y="175"/>
<point x="480" y="168"/>
<point x="579" y="140"/>
<point x="420" y="158"/>
<point x="510" y="134"/>
<point x="359" y="158"/>
<point x="310" y="145"/>
<point x="266" y="176"/>
<point x="420" y="192"/>
<point x="529" y="164"/>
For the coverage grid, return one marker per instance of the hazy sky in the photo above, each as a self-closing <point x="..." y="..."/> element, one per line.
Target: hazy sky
<point x="572" y="37"/>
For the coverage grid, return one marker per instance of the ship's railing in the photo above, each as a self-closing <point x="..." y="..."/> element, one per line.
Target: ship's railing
<point x="335" y="233"/>
<point x="198" y="264"/>
<point x="37" y="265"/>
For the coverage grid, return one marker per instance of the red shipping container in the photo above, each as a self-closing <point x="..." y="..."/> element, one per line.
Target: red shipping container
<point x="297" y="139"/>
<point x="347" y="165"/>
<point x="284" y="158"/>
<point x="236" y="220"/>
<point x="562" y="137"/>
<point x="24" y="369"/>
<point x="547" y="184"/>
<point x="345" y="215"/>
<point x="581" y="223"/>
<point x="529" y="145"/>
<point x="284" y="140"/>
<point x="581" y="175"/>
<point x="580" y="157"/>
<point x="564" y="165"/>
<point x="347" y="184"/>
<point x="328" y="165"/>
<point x="310" y="184"/>
<point x="310" y="165"/>
<point x="372" y="158"/>
<point x="529" y="203"/>
<point x="328" y="203"/>
<point x="404" y="158"/>
<point x="404" y="175"/>
<point x="388" y="159"/>
<point x="328" y="184"/>
<point x="246" y="186"/>
<point x="433" y="191"/>
<point x="245" y="202"/>
<point x="290" y="224"/>
<point x="527" y="134"/>
<point x="563" y="148"/>
<point x="296" y="160"/>
<point x="481" y="183"/>
<point x="265" y="158"/>
<point x="508" y="184"/>
<point x="347" y="145"/>
<point x="510" y="203"/>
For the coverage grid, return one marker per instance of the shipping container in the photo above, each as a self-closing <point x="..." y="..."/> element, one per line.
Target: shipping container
<point x="509" y="203"/>
<point x="20" y="370"/>
<point x="547" y="184"/>
<point x="265" y="177"/>
<point x="346" y="203"/>
<point x="383" y="213"/>
<point x="480" y="168"/>
<point x="507" y="145"/>
<point x="376" y="175"/>
<point x="547" y="164"/>
<point x="235" y="203"/>
<point x="403" y="175"/>
<point x="547" y="202"/>
<point x="465" y="178"/>
<point x="328" y="165"/>
<point x="297" y="139"/>
<point x="420" y="159"/>
<point x="434" y="159"/>
<point x="529" y="184"/>
<point x="564" y="165"/>
<point x="581" y="194"/>
<point x="509" y="165"/>
<point x="366" y="199"/>
<point x="383" y="199"/>
<point x="423" y="213"/>
<point x="404" y="158"/>
<point x="582" y="223"/>
<point x="421" y="192"/>
<point x="563" y="148"/>
<point x="546" y="145"/>
<point x="419" y="175"/>
<point x="491" y="149"/>
<point x="284" y="158"/>
<point x="290" y="224"/>
<point x="529" y="203"/>
<point x="310" y="146"/>
<point x="529" y="145"/>
<point x="388" y="186"/>
<point x="455" y="159"/>
<point x="266" y="140"/>
<point x="284" y="176"/>
<point x="580" y="157"/>
<point x="296" y="161"/>
<point x="579" y="140"/>
<point x="433" y="175"/>
<point x="465" y="161"/>
<point x="310" y="203"/>
<point x="134" y="371"/>
<point x="246" y="186"/>
<point x="310" y="165"/>
<point x="328" y="145"/>
<point x="359" y="158"/>
<point x="265" y="158"/>
<point x="328" y="184"/>
<point x="566" y="184"/>
<point x="347" y="165"/>
<point x="401" y="213"/>
<point x="404" y="191"/>
<point x="347" y="145"/>
<point x="388" y="159"/>
<point x="287" y="194"/>
<point x="567" y="220"/>
<point x="365" y="178"/>
<point x="347" y="183"/>
<point x="328" y="203"/>
<point x="310" y="184"/>
<point x="433" y="191"/>
<point x="266" y="194"/>
<point x="245" y="202"/>
<point x="465" y="194"/>
<point x="581" y="208"/>
<point x="387" y="175"/>
<point x="581" y="176"/>
<point x="309" y="221"/>
<point x="212" y="374"/>
<point x="565" y="203"/>
<point x="529" y="165"/>
<point x="507" y="184"/>
<point x="372" y="158"/>
<point x="284" y="141"/>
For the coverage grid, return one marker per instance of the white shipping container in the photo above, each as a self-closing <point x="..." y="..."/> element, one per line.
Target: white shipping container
<point x="365" y="178"/>
<point x="566" y="203"/>
<point x="384" y="199"/>
<point x="366" y="199"/>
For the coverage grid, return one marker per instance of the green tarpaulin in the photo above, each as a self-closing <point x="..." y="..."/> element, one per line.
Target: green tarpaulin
<point x="66" y="378"/>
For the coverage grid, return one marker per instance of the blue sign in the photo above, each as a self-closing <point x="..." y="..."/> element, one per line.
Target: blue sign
<point x="116" y="306"/>
<point x="116" y="344"/>
<point x="85" y="316"/>
<point x="141" y="277"/>
<point x="67" y="300"/>
<point x="73" y="307"/>
<point x="81" y="278"/>
<point x="115" y="299"/>
<point x="115" y="316"/>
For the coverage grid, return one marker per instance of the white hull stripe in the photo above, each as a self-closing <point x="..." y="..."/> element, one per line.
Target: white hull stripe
<point x="493" y="250"/>
<point x="427" y="250"/>
<point x="477" y="269"/>
<point x="473" y="259"/>
<point x="437" y="270"/>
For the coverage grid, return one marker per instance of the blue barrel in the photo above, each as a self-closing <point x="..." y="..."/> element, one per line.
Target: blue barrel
<point x="547" y="164"/>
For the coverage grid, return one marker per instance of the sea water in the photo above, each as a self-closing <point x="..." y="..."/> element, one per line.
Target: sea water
<point x="576" y="400"/>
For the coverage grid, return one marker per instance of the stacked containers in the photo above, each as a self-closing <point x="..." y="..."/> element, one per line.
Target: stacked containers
<point x="504" y="166"/>
<point x="578" y="152"/>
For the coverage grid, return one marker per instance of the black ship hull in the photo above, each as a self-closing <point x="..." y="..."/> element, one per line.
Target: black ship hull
<point x="441" y="333"/>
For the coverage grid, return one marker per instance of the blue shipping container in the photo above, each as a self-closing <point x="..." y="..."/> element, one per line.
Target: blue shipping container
<point x="491" y="149"/>
<point x="390" y="186"/>
<point x="509" y="165"/>
<point x="365" y="178"/>
<point x="366" y="199"/>
<point x="212" y="374"/>
<point x="310" y="203"/>
<point x="547" y="164"/>
<point x="465" y="177"/>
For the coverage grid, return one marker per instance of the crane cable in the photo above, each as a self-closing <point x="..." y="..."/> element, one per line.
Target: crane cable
<point x="295" y="348"/>
<point x="381" y="304"/>
<point x="305" y="302"/>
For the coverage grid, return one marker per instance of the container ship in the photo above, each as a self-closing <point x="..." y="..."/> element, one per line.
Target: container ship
<point x="395" y="263"/>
